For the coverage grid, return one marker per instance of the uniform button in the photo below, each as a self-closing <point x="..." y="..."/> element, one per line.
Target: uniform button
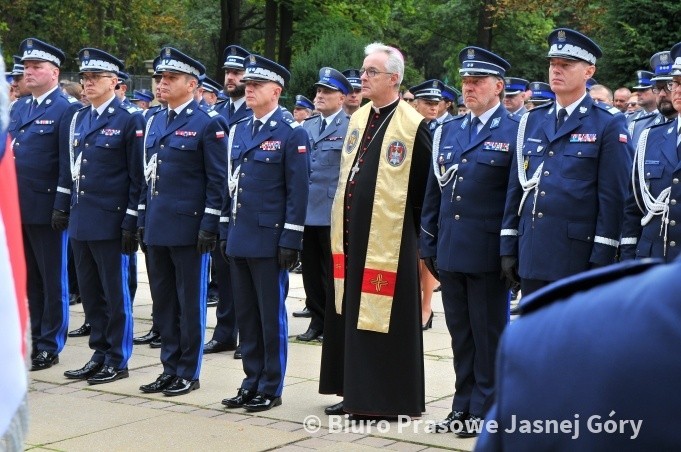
<point x="160" y="161"/>
<point x="647" y="174"/>
<point x="276" y="225"/>
<point x="107" y="145"/>
<point x="464" y="161"/>
<point x="672" y="223"/>
<point x="41" y="130"/>
<point x="22" y="130"/>
<point x="579" y="152"/>
<point x="550" y="153"/>
<point x="540" y="215"/>
<point x="458" y="198"/>
<point x="588" y="238"/>
<point x="245" y="159"/>
<point x="240" y="190"/>
<point x="456" y="217"/>
<point x="87" y="145"/>
<point x="491" y="161"/>
<point x="460" y="178"/>
<point x="542" y="193"/>
<point x="84" y="160"/>
<point x="49" y="190"/>
<point x="158" y="177"/>
<point x="267" y="159"/>
<point x="243" y="174"/>
<point x="118" y="208"/>
<point x="82" y="176"/>
<point x="156" y="193"/>
<point x="82" y="192"/>
<point x="182" y="146"/>
<point x="546" y="173"/>
<point x="672" y="243"/>
<point x="162" y="146"/>
<point x="675" y="180"/>
<point x="238" y="205"/>
<point x="672" y="202"/>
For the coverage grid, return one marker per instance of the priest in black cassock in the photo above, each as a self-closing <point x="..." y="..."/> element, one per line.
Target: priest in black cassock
<point x="375" y="219"/>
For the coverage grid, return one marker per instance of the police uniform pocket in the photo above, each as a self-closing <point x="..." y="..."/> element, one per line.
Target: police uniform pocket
<point x="580" y="162"/>
<point x="653" y="171"/>
<point x="581" y="231"/>
<point x="188" y="208"/>
<point x="267" y="165"/>
<point x="183" y="143"/>
<point x="270" y="220"/>
<point x="43" y="129"/>
<point x="331" y="191"/>
<point x="531" y="148"/>
<point x="330" y="153"/>
<point x="109" y="142"/>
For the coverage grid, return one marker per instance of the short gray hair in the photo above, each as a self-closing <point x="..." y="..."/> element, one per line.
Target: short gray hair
<point x="395" y="63"/>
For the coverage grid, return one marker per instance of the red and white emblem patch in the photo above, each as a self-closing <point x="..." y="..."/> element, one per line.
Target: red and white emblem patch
<point x="396" y="153"/>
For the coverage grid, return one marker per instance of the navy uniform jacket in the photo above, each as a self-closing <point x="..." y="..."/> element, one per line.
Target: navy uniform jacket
<point x="638" y="125"/>
<point x="460" y="224"/>
<point x="662" y="170"/>
<point x="42" y="155"/>
<point x="190" y="176"/>
<point x="324" y="166"/>
<point x="149" y="112"/>
<point x="574" y="216"/>
<point x="111" y="174"/>
<point x="602" y="345"/>
<point x="268" y="210"/>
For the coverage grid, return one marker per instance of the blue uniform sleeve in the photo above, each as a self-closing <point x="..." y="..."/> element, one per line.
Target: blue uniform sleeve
<point x="134" y="141"/>
<point x="614" y="170"/>
<point x="511" y="220"/>
<point x="430" y="215"/>
<point x="215" y="167"/>
<point x="297" y="170"/>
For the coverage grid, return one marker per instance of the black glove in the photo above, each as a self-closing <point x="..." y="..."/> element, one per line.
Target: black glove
<point x="431" y="265"/>
<point x="60" y="220"/>
<point x="509" y="270"/>
<point x="223" y="250"/>
<point x="593" y="265"/>
<point x="128" y="242"/>
<point x="206" y="242"/>
<point x="140" y="240"/>
<point x="288" y="258"/>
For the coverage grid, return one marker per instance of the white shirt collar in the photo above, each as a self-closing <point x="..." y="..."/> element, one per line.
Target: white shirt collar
<point x="570" y="108"/>
<point x="264" y="119"/>
<point x="44" y="96"/>
<point x="101" y="108"/>
<point x="442" y="118"/>
<point x="238" y="103"/>
<point x="179" y="109"/>
<point x="329" y="119"/>
<point x="485" y="116"/>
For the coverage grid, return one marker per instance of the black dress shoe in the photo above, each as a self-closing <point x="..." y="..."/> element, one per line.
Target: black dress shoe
<point x="162" y="382"/>
<point x="89" y="369"/>
<point x="181" y="386"/>
<point x="147" y="338"/>
<point x="212" y="301"/>
<point x="84" y="330"/>
<point x="242" y="397"/>
<point x="471" y="427"/>
<point x="74" y="298"/>
<point x="237" y="352"/>
<point x="334" y="409"/>
<point x="44" y="360"/>
<point x="304" y="313"/>
<point x="262" y="402"/>
<point x="309" y="335"/>
<point x="214" y="346"/>
<point x="108" y="374"/>
<point x="156" y="343"/>
<point x="450" y="423"/>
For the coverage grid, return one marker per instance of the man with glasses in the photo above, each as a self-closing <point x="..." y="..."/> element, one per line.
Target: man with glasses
<point x="105" y="149"/>
<point x="374" y="230"/>
<point x="653" y="211"/>
<point x="39" y="126"/>
<point x="566" y="196"/>
<point x="661" y="64"/>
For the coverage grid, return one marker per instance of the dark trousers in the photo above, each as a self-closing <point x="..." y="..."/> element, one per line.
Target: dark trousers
<point x="527" y="286"/>
<point x="178" y="279"/>
<point x="260" y="289"/>
<point x="476" y="312"/>
<point x="47" y="286"/>
<point x="225" y="328"/>
<point x="73" y="278"/>
<point x="103" y="276"/>
<point x="317" y="274"/>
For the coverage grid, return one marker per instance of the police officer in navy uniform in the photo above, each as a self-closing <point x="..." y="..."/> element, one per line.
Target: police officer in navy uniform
<point x="649" y="115"/>
<point x="184" y="166"/>
<point x="652" y="219"/>
<point x="461" y="220"/>
<point x="105" y="150"/>
<point x="211" y="88"/>
<point x="142" y="99"/>
<point x="586" y="353"/>
<point x="234" y="111"/>
<point x="449" y="97"/>
<point x="269" y="185"/>
<point x="514" y="98"/>
<point x="354" y="98"/>
<point x="427" y="99"/>
<point x="327" y="133"/>
<point x="541" y="94"/>
<point x="39" y="124"/>
<point x="18" y="82"/>
<point x="571" y="168"/>
<point x="662" y="66"/>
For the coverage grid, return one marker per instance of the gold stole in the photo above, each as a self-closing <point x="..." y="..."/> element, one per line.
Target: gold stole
<point x="387" y="216"/>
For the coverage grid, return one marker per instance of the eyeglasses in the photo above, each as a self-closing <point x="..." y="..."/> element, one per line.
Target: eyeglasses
<point x="632" y="104"/>
<point x="371" y="73"/>
<point x="673" y="85"/>
<point x="408" y="100"/>
<point x="657" y="89"/>
<point x="94" y="78"/>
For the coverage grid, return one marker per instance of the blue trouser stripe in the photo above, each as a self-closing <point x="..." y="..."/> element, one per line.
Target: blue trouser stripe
<point x="61" y="334"/>
<point x="126" y="343"/>
<point x="203" y="294"/>
<point x="283" y="326"/>
<point x="508" y="307"/>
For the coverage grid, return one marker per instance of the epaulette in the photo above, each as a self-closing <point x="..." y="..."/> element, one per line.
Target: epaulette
<point x="514" y="117"/>
<point x="131" y="108"/>
<point x="580" y="282"/>
<point x="312" y="117"/>
<point x="211" y="113"/>
<point x="660" y="124"/>
<point x="84" y="108"/>
<point x="546" y="105"/>
<point x="291" y="122"/>
<point x="612" y="110"/>
<point x="458" y="117"/>
<point x="70" y="99"/>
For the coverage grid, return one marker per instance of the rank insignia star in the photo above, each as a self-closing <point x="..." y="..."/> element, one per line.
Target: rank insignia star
<point x="110" y="110"/>
<point x="582" y="109"/>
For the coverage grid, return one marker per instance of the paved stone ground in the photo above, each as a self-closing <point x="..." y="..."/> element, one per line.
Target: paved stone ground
<point x="73" y="416"/>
